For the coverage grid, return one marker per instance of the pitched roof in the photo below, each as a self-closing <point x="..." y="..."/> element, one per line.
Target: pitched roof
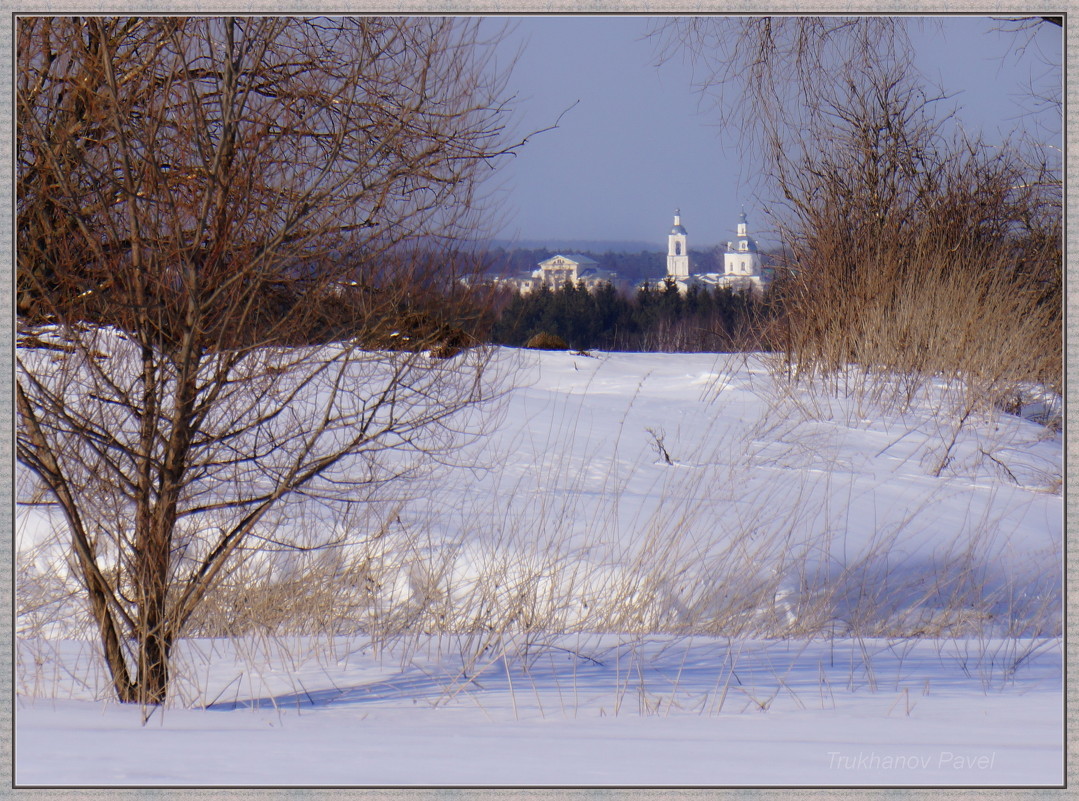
<point x="577" y="258"/>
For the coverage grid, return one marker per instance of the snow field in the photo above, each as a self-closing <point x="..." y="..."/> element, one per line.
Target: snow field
<point x="637" y="712"/>
<point x="677" y="539"/>
<point x="682" y="494"/>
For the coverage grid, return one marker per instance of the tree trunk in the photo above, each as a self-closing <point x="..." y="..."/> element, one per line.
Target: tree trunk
<point x="154" y="647"/>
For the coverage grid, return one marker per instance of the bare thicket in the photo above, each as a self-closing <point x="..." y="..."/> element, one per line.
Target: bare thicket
<point x="912" y="248"/>
<point x="217" y="221"/>
<point x="916" y="254"/>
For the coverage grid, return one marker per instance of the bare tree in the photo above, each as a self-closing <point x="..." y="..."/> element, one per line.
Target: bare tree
<point x="769" y="79"/>
<point x="1045" y="90"/>
<point x="881" y="208"/>
<point x="193" y="195"/>
<point x="782" y="83"/>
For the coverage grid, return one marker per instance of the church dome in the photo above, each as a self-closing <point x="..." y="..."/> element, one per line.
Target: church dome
<point x="678" y="229"/>
<point x="744" y="243"/>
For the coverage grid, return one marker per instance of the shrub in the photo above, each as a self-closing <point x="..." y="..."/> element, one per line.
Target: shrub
<point x="921" y="256"/>
<point x="545" y="341"/>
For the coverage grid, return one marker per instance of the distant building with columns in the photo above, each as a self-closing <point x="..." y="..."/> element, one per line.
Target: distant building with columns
<point x="562" y="269"/>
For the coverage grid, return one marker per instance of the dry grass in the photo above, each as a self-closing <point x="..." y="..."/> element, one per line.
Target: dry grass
<point x="914" y="257"/>
<point x="912" y="316"/>
<point x="711" y="554"/>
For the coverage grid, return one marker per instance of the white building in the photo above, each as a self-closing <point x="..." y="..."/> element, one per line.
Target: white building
<point x="677" y="254"/>
<point x="556" y="271"/>
<point x="742" y="268"/>
<point x="742" y="261"/>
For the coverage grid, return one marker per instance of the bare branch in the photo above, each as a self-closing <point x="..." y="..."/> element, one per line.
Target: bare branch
<point x="222" y="222"/>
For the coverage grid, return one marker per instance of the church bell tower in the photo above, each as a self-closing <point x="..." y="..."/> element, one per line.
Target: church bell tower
<point x="677" y="255"/>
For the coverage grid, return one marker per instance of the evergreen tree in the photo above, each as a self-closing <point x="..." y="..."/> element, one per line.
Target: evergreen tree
<point x="656" y="317"/>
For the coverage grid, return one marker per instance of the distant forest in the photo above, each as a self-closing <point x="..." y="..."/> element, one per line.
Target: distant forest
<point x="655" y="318"/>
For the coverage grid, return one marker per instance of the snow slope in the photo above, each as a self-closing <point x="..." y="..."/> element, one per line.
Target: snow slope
<point x="652" y="570"/>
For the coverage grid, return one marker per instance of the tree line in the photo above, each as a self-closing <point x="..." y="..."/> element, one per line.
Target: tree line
<point x="657" y="317"/>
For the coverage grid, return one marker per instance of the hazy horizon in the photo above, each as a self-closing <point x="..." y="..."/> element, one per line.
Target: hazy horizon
<point x="634" y="143"/>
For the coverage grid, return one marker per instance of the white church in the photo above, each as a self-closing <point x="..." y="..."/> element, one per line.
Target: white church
<point x="742" y="269"/>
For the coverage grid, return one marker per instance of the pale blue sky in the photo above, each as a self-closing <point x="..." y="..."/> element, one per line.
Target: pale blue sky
<point x="637" y="144"/>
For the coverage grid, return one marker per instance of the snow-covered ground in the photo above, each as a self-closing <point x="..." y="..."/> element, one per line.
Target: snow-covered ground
<point x="657" y="712"/>
<point x="652" y="570"/>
